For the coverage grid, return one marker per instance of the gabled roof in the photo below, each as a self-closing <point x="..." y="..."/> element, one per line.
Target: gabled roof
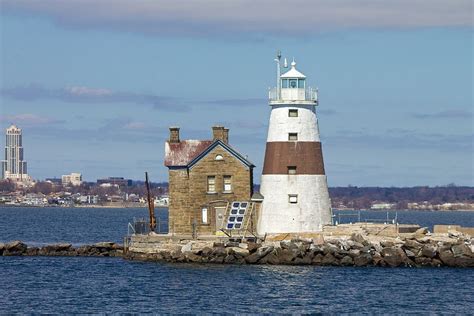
<point x="293" y="73"/>
<point x="182" y="153"/>
<point x="189" y="152"/>
<point x="232" y="151"/>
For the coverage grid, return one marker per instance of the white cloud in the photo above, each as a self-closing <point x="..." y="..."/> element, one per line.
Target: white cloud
<point x="85" y="91"/>
<point x="28" y="119"/>
<point x="249" y="17"/>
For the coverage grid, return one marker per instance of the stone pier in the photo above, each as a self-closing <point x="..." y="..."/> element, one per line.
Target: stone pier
<point x="344" y="245"/>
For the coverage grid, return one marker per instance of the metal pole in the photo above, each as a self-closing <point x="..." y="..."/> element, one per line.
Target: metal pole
<point x="278" y="74"/>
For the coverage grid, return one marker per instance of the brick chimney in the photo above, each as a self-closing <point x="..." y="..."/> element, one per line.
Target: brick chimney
<point x="226" y="135"/>
<point x="174" y="134"/>
<point x="218" y="132"/>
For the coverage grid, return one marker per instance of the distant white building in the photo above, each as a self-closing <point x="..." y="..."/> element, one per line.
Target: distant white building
<point x="13" y="166"/>
<point x="382" y="206"/>
<point x="74" y="179"/>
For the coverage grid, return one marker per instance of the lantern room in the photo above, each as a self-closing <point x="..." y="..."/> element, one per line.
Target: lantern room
<point x="293" y="84"/>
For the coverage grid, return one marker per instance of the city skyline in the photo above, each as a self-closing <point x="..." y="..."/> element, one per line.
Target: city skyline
<point x="97" y="97"/>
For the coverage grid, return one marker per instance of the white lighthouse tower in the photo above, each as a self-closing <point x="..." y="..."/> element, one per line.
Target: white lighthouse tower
<point x="294" y="184"/>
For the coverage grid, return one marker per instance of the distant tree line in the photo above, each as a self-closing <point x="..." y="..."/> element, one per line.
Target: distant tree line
<point x="350" y="196"/>
<point x="363" y="197"/>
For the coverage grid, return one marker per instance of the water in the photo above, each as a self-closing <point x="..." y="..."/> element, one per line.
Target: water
<point x="36" y="225"/>
<point x="113" y="285"/>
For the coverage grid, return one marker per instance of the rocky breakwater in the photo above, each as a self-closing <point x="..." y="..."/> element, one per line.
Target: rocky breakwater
<point x="101" y="249"/>
<point x="414" y="250"/>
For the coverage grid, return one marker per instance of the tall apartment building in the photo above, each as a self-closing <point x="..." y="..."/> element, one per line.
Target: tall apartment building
<point x="74" y="179"/>
<point x="14" y="167"/>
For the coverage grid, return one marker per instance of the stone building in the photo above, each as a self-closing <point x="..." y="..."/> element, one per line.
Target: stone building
<point x="204" y="177"/>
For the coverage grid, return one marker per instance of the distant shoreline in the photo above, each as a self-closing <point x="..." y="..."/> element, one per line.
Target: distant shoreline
<point x="162" y="207"/>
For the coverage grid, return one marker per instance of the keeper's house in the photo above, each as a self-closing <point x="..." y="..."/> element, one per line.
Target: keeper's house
<point x="204" y="177"/>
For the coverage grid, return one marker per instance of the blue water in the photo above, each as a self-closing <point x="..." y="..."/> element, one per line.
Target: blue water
<point x="113" y="285"/>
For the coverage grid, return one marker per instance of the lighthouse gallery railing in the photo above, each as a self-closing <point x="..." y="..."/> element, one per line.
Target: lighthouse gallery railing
<point x="310" y="94"/>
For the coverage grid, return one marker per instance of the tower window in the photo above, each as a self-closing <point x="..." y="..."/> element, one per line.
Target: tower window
<point x="284" y="83"/>
<point x="293" y="113"/>
<point x="227" y="183"/>
<point x="293" y="83"/>
<point x="291" y="169"/>
<point x="293" y="198"/>
<point x="293" y="136"/>
<point x="204" y="215"/>
<point x="211" y="184"/>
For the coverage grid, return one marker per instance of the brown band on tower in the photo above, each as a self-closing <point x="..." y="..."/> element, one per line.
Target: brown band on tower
<point x="307" y="157"/>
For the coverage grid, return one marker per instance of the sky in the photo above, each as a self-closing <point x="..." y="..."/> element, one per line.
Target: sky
<point x="95" y="84"/>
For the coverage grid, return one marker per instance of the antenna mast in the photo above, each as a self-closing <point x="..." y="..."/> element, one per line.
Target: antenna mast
<point x="277" y="59"/>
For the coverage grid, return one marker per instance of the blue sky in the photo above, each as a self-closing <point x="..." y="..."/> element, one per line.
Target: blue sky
<point x="95" y="84"/>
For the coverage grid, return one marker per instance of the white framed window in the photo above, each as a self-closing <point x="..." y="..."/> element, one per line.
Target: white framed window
<point x="292" y="136"/>
<point x="227" y="183"/>
<point x="293" y="198"/>
<point x="293" y="113"/>
<point x="211" y="184"/>
<point x="204" y="215"/>
<point x="291" y="169"/>
<point x="219" y="157"/>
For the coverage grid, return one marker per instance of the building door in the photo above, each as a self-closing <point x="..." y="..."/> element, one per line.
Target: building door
<point x="220" y="220"/>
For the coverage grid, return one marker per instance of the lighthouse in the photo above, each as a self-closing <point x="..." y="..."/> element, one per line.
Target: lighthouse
<point x="294" y="183"/>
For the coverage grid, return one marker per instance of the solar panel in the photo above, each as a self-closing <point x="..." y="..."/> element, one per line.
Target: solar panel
<point x="237" y="214"/>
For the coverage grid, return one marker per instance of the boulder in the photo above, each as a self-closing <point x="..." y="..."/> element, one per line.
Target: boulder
<point x="243" y="245"/>
<point x="447" y="257"/>
<point x="104" y="245"/>
<point x="357" y="245"/>
<point x="216" y="259"/>
<point x="347" y="261"/>
<point x="230" y="259"/>
<point x="428" y="251"/>
<point x="285" y="256"/>
<point x="15" y="248"/>
<point x="32" y="251"/>
<point x="57" y="247"/>
<point x="423" y="261"/>
<point x="464" y="262"/>
<point x="232" y="244"/>
<point x="393" y="256"/>
<point x="461" y="250"/>
<point x="329" y="259"/>
<point x="354" y="253"/>
<point x="363" y="260"/>
<point x="422" y="231"/>
<point x="190" y="257"/>
<point x="219" y="252"/>
<point x="410" y="254"/>
<point x="387" y="243"/>
<point x="359" y="238"/>
<point x="318" y="259"/>
<point x="237" y="252"/>
<point x="378" y="260"/>
<point x="330" y="249"/>
<point x="306" y="260"/>
<point x="206" y="252"/>
<point x="315" y="249"/>
<point x="271" y="258"/>
<point x="259" y="254"/>
<point x="412" y="244"/>
<point x="252" y="246"/>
